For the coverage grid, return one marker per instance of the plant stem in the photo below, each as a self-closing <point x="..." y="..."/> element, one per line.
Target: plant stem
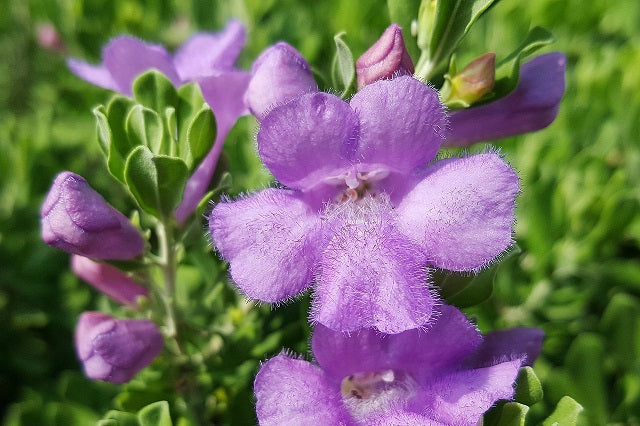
<point x="168" y="264"/>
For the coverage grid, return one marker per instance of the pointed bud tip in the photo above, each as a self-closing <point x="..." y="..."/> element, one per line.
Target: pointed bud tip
<point x="386" y="58"/>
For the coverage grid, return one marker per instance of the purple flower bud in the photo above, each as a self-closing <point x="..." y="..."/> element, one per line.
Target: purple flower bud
<point x="115" y="350"/>
<point x="532" y="106"/>
<point x="387" y="57"/>
<point x="108" y="279"/>
<point x="278" y="75"/>
<point x="76" y="219"/>
<point x="48" y="38"/>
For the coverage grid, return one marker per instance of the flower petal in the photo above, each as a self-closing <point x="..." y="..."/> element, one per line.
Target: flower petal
<point x="206" y="53"/>
<point x="522" y="343"/>
<point x="94" y="74"/>
<point x="269" y="241"/>
<point x="532" y="106"/>
<point x="461" y="398"/>
<point x="421" y="353"/>
<point x="279" y="75"/>
<point x="127" y="57"/>
<point x="402" y="123"/>
<point x="462" y="212"/>
<point x="308" y="139"/>
<point x="370" y="274"/>
<point x="295" y="392"/>
<point x="402" y="418"/>
<point x="223" y="93"/>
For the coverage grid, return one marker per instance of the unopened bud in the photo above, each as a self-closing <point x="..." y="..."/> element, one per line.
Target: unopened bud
<point x="386" y="58"/>
<point x="48" y="38"/>
<point x="474" y="81"/>
<point x="115" y="350"/>
<point x="279" y="75"/>
<point x="109" y="280"/>
<point x="76" y="219"/>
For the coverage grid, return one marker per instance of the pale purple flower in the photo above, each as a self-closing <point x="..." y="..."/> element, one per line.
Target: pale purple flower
<point x="364" y="213"/>
<point x="386" y="58"/>
<point x="115" y="350"/>
<point x="532" y="106"/>
<point x="206" y="58"/>
<point x="76" y="219"/>
<point x="445" y="375"/>
<point x="279" y="75"/>
<point x="109" y="280"/>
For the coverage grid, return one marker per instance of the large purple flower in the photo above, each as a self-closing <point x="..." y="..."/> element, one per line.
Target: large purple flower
<point x="364" y="214"/>
<point x="206" y="58"/>
<point x="446" y="375"/>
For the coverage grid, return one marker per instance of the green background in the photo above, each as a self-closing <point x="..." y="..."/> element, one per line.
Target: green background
<point x="575" y="272"/>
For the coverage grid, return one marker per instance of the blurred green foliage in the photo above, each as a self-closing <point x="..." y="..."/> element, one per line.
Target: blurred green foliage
<point x="576" y="273"/>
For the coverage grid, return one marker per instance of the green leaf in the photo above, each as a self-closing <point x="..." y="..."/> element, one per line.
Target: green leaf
<point x="223" y="185"/>
<point x="528" y="387"/>
<point x="201" y="135"/>
<point x="403" y="12"/>
<point x="189" y="103"/>
<point x="156" y="414"/>
<point x="157" y="182"/>
<point x="464" y="291"/>
<point x="508" y="70"/>
<point x="620" y="325"/>
<point x="119" y="148"/>
<point x="512" y="414"/>
<point x="144" y="127"/>
<point x="119" y="418"/>
<point x="565" y="414"/>
<point x="453" y="19"/>
<point x="343" y="70"/>
<point x="155" y="91"/>
<point x="102" y="124"/>
<point x="171" y="131"/>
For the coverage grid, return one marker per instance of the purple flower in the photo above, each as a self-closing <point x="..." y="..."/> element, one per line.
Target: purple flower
<point x="279" y="75"/>
<point x="446" y="375"/>
<point x="386" y="58"/>
<point x="76" y="219"/>
<point x="109" y="280"/>
<point x="206" y="58"/>
<point x="364" y="214"/>
<point x="532" y="106"/>
<point x="115" y="350"/>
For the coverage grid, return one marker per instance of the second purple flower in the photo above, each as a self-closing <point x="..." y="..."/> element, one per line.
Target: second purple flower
<point x="364" y="215"/>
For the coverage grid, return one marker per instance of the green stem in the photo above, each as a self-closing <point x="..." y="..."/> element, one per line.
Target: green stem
<point x="168" y="264"/>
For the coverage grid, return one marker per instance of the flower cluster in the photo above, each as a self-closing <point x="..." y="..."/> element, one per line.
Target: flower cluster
<point x="363" y="213"/>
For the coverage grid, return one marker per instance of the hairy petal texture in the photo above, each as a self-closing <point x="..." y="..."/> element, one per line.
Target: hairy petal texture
<point x="206" y="53"/>
<point x="402" y="123"/>
<point x="460" y="398"/>
<point x="308" y="139"/>
<point x="269" y="240"/>
<point x="532" y="106"/>
<point x="462" y="212"/>
<point x="402" y="418"/>
<point x="413" y="351"/>
<point x="515" y="343"/>
<point x="127" y="57"/>
<point x="279" y="75"/>
<point x="109" y="280"/>
<point x="76" y="219"/>
<point x="292" y="392"/>
<point x="370" y="274"/>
